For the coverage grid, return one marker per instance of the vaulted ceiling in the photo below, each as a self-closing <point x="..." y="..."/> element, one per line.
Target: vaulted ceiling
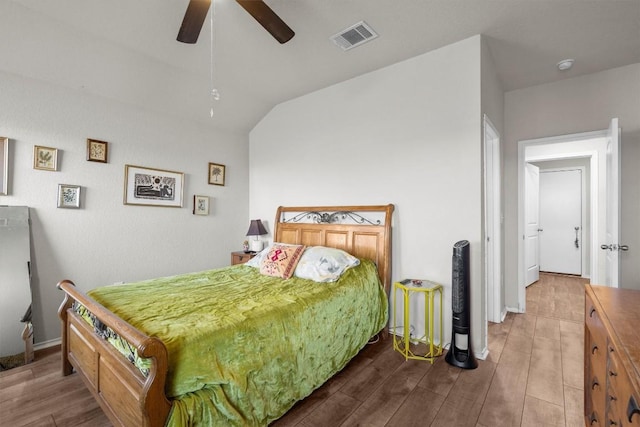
<point x="127" y="50"/>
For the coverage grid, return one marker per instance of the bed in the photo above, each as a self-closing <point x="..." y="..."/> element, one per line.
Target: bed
<point x="151" y="390"/>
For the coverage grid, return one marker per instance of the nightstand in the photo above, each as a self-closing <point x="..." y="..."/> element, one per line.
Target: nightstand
<point x="410" y="291"/>
<point x="240" y="257"/>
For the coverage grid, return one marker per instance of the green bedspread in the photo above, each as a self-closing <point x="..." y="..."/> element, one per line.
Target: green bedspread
<point x="244" y="347"/>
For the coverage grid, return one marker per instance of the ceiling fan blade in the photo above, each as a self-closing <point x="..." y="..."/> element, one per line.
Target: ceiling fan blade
<point x="193" y="20"/>
<point x="268" y="19"/>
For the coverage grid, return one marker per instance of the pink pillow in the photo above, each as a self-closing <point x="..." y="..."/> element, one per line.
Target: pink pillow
<point x="281" y="260"/>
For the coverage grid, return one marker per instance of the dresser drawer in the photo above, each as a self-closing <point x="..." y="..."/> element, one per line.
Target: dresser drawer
<point x="611" y="354"/>
<point x="593" y="321"/>
<point x="617" y="379"/>
<point x="596" y="384"/>
<point x="632" y="411"/>
<point x="594" y="419"/>
<point x="622" y="409"/>
<point x="622" y="404"/>
<point x="596" y="353"/>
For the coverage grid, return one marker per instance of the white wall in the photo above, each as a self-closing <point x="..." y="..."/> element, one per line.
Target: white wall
<point x="492" y="98"/>
<point x="105" y="241"/>
<point x="408" y="134"/>
<point x="492" y="93"/>
<point x="575" y="105"/>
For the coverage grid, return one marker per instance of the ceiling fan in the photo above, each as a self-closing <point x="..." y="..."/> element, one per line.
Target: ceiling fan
<point x="197" y="12"/>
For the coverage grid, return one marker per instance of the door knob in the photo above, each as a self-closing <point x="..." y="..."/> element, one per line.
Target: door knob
<point x="540" y="229"/>
<point x="623" y="248"/>
<point x="605" y="247"/>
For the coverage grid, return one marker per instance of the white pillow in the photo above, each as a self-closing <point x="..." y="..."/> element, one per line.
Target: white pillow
<point x="323" y="264"/>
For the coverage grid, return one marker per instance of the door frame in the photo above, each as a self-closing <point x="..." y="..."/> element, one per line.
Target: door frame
<point x="571" y="149"/>
<point x="492" y="185"/>
<point x="531" y="236"/>
<point x="613" y="222"/>
<point x="584" y="273"/>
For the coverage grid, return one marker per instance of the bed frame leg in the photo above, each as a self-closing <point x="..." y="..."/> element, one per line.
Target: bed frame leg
<point x="67" y="368"/>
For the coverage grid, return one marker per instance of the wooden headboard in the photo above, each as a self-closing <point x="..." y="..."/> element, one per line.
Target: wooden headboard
<point x="363" y="231"/>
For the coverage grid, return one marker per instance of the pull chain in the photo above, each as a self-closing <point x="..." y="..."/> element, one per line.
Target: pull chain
<point x="215" y="95"/>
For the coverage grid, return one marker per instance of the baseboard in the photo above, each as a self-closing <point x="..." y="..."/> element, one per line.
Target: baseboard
<point x="47" y="344"/>
<point x="483" y="354"/>
<point x="514" y="310"/>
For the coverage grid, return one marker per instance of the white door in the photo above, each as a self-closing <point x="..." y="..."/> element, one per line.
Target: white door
<point x="561" y="221"/>
<point x="492" y="221"/>
<point x="612" y="275"/>
<point x="531" y="220"/>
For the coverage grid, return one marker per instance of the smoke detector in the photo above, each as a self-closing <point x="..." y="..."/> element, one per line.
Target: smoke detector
<point x="353" y="36"/>
<point x="565" y="64"/>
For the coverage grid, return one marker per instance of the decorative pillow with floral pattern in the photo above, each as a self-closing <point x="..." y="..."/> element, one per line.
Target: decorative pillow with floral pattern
<point x="281" y="260"/>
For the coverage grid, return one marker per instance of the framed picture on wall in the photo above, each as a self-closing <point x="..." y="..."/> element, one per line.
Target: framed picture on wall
<point x="216" y="174"/>
<point x="97" y="151"/>
<point x="4" y="165"/>
<point x="45" y="158"/>
<point x="68" y="196"/>
<point x="152" y="187"/>
<point x="200" y="205"/>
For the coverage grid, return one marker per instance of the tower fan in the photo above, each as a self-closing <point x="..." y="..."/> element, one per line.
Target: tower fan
<point x="460" y="353"/>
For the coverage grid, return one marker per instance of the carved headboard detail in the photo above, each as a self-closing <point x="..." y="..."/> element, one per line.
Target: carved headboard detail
<point x="363" y="231"/>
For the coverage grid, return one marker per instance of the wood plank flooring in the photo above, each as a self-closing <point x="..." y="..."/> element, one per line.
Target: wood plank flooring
<point x="532" y="377"/>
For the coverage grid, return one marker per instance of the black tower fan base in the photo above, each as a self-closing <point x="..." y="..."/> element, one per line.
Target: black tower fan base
<point x="460" y="304"/>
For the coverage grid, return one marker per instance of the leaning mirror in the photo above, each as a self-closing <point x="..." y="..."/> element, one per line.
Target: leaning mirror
<point x="15" y="285"/>
<point x="4" y="165"/>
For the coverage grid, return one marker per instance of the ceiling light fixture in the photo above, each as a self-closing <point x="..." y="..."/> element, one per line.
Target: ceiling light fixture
<point x="565" y="64"/>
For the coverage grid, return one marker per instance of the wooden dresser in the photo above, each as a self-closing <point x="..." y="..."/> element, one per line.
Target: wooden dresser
<point x="611" y="357"/>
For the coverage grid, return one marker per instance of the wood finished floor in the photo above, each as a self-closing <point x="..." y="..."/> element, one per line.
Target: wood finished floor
<point x="532" y="377"/>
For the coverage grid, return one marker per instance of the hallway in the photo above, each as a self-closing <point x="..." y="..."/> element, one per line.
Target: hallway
<point x="539" y="356"/>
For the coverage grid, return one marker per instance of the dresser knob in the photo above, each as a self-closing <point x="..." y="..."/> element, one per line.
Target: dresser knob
<point x="593" y="310"/>
<point x="594" y="349"/>
<point x="613" y="374"/>
<point x="592" y="418"/>
<point x="595" y="384"/>
<point x="632" y="408"/>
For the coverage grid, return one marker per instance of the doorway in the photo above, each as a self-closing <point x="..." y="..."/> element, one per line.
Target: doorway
<point x="492" y="223"/>
<point x="591" y="145"/>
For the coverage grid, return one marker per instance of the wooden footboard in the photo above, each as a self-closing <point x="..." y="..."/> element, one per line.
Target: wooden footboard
<point x="125" y="395"/>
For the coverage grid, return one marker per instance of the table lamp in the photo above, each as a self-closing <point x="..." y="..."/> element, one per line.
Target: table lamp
<point x="256" y="229"/>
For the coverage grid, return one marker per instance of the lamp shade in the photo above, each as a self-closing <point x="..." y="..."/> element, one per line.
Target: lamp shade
<point x="256" y="228"/>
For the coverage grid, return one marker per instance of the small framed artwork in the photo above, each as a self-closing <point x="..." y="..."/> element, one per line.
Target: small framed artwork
<point x="4" y="166"/>
<point x="68" y="196"/>
<point x="152" y="187"/>
<point x="97" y="151"/>
<point x="45" y="158"/>
<point x="216" y="174"/>
<point x="200" y="205"/>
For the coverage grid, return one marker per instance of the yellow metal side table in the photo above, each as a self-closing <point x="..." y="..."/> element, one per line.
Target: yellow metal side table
<point x="403" y="343"/>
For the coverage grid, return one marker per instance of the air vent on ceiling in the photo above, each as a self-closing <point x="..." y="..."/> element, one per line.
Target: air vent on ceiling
<point x="354" y="36"/>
